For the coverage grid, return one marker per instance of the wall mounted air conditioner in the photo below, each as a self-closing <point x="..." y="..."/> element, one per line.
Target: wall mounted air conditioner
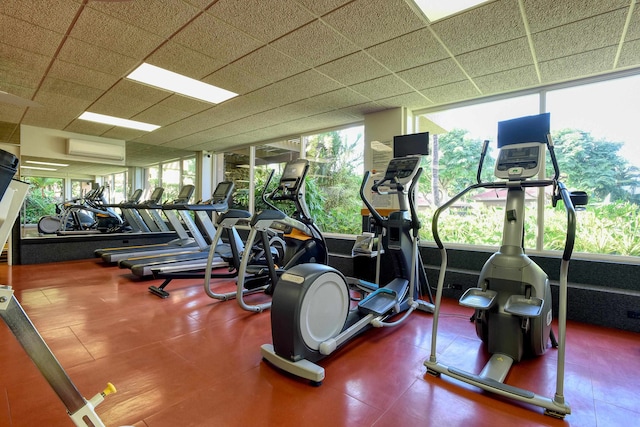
<point x="95" y="150"/>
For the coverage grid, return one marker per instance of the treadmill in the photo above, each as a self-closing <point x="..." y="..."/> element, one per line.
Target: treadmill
<point x="189" y="257"/>
<point x="131" y="216"/>
<point x="152" y="207"/>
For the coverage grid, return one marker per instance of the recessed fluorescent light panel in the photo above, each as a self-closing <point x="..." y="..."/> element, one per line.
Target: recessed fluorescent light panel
<point x="174" y="82"/>
<point x="439" y="9"/>
<point x="116" y="121"/>
<point x="38" y="168"/>
<point x="33" y="162"/>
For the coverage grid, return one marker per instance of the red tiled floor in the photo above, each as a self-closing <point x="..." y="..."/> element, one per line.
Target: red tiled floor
<point x="193" y="361"/>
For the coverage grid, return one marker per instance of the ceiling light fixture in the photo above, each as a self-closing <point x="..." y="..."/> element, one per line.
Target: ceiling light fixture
<point x="439" y="9"/>
<point x="174" y="82"/>
<point x="38" y="168"/>
<point x="116" y="121"/>
<point x="46" y="163"/>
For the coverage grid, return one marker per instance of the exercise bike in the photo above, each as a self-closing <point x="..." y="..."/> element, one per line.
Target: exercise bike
<point x="282" y="241"/>
<point x="312" y="314"/>
<point x="512" y="302"/>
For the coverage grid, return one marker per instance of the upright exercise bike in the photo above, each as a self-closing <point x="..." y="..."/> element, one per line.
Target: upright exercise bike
<point x="312" y="313"/>
<point x="512" y="302"/>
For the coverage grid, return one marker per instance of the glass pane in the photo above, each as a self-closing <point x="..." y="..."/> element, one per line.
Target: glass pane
<point x="118" y="190"/>
<point x="153" y="178"/>
<point x="596" y="143"/>
<point x="171" y="180"/>
<point x="273" y="157"/>
<point x="189" y="171"/>
<point x="236" y="169"/>
<point x="80" y="188"/>
<point x="333" y="183"/>
<point x="43" y="196"/>
<point x="456" y="143"/>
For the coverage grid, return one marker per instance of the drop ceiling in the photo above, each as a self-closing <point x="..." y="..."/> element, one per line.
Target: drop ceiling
<point x="297" y="65"/>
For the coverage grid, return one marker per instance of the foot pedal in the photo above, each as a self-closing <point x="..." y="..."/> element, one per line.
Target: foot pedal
<point x="520" y="305"/>
<point x="478" y="299"/>
<point x="379" y="302"/>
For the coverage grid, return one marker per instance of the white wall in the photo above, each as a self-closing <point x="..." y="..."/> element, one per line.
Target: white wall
<point x="52" y="144"/>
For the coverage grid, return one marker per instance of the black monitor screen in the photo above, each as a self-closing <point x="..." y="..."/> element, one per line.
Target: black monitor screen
<point x="414" y="144"/>
<point x="157" y="194"/>
<point x="294" y="170"/>
<point x="524" y="129"/>
<point x="222" y="190"/>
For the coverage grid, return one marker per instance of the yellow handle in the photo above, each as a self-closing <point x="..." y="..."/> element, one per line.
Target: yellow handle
<point x="110" y="389"/>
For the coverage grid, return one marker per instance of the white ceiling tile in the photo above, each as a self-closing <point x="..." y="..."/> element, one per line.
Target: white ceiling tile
<point x="96" y="58"/>
<point x="55" y="15"/>
<point x="382" y="87"/>
<point x="630" y="54"/>
<point x="370" y="22"/>
<point x="409" y="50"/>
<point x="495" y="58"/>
<point x="264" y="20"/>
<point x="507" y="80"/>
<point x="213" y="37"/>
<point x="236" y="79"/>
<point x="301" y="86"/>
<point x="160" y="115"/>
<point x="11" y="114"/>
<point x="433" y="74"/>
<point x="19" y="67"/>
<point x="70" y="72"/>
<point x="411" y="100"/>
<point x="591" y="62"/>
<point x="354" y="68"/>
<point x="29" y="37"/>
<point x="314" y="44"/>
<point x="269" y="65"/>
<point x="102" y="30"/>
<point x="451" y="92"/>
<point x="546" y="14"/>
<point x="633" y="32"/>
<point x="320" y="7"/>
<point x="183" y="60"/>
<point x="486" y="25"/>
<point x="70" y="89"/>
<point x="582" y="36"/>
<point x="329" y="101"/>
<point x="159" y="17"/>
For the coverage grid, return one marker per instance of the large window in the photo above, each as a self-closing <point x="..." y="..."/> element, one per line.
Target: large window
<point x="335" y="175"/>
<point x="457" y="136"/>
<point x="171" y="179"/>
<point x="598" y="151"/>
<point x="171" y="176"/>
<point x="115" y="187"/>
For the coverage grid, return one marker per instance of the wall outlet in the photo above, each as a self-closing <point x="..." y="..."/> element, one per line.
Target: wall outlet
<point x="631" y="314"/>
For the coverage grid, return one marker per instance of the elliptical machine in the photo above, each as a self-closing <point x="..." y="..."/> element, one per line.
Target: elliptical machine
<point x="512" y="302"/>
<point x="312" y="314"/>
